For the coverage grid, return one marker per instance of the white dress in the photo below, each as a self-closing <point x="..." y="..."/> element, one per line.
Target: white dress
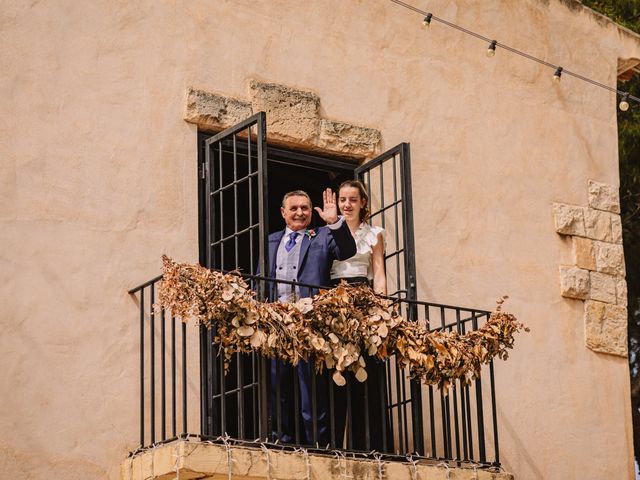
<point x="359" y="265"/>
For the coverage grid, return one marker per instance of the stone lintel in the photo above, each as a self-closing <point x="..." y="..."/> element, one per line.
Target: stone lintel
<point x="341" y="136"/>
<point x="211" y="111"/>
<point x="292" y="115"/>
<point x="194" y="460"/>
<point x="293" y="120"/>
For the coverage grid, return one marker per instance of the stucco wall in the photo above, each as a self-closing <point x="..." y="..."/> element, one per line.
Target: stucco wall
<point x="98" y="179"/>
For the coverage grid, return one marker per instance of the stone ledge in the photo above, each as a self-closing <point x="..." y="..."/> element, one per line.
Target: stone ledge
<point x="194" y="460"/>
<point x="293" y="119"/>
<point x="292" y="115"/>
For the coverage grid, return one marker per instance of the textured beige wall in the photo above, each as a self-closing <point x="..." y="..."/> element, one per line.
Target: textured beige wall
<point x="98" y="179"/>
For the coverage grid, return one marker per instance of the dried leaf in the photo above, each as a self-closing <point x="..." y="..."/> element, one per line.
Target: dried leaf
<point x="245" y="331"/>
<point x="258" y="338"/>
<point x="339" y="379"/>
<point x="361" y="375"/>
<point x="383" y="331"/>
<point x="333" y="328"/>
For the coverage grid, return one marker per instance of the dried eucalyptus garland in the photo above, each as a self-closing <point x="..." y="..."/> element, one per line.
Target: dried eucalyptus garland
<point x="334" y="327"/>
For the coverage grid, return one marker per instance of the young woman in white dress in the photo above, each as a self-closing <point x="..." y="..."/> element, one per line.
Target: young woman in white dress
<point x="365" y="267"/>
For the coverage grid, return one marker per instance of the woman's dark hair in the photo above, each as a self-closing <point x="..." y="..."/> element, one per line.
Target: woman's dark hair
<point x="364" y="211"/>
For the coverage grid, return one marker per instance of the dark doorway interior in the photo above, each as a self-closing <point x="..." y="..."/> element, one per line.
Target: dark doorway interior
<point x="286" y="171"/>
<point x="285" y="175"/>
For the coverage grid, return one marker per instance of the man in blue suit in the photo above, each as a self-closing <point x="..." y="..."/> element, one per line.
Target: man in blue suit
<point x="300" y="254"/>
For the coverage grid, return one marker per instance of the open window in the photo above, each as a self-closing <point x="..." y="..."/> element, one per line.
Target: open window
<point x="242" y="181"/>
<point x="388" y="181"/>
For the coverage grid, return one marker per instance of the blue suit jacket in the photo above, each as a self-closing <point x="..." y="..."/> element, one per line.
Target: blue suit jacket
<point x="316" y="255"/>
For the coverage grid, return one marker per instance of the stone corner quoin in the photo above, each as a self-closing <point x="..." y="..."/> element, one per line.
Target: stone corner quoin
<point x="606" y="328"/>
<point x="597" y="275"/>
<point x="293" y="119"/>
<point x="604" y="197"/>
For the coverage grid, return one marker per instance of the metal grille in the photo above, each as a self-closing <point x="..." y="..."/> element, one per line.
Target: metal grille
<point x="236" y="238"/>
<point x="388" y="181"/>
<point x="460" y="427"/>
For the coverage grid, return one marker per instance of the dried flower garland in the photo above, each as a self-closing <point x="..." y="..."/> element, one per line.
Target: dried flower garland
<point x="333" y="328"/>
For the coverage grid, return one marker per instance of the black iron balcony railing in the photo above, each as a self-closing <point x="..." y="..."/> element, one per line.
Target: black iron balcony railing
<point x="401" y="417"/>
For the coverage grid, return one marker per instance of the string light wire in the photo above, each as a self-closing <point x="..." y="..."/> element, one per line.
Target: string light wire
<point x="515" y="51"/>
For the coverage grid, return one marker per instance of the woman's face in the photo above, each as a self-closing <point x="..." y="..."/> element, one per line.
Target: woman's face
<point x="350" y="203"/>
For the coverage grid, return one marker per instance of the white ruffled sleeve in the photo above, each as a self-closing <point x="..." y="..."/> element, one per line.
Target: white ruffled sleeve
<point x="368" y="238"/>
<point x="376" y="231"/>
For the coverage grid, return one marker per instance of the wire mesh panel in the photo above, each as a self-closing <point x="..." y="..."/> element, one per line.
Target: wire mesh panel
<point x="388" y="182"/>
<point x="236" y="234"/>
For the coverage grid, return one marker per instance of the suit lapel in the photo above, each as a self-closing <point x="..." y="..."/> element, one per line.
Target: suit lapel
<point x="304" y="247"/>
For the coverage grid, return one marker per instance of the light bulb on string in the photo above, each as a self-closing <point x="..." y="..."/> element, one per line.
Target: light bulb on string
<point x="491" y="51"/>
<point x="558" y="74"/>
<point x="624" y="103"/>
<point x="426" y="22"/>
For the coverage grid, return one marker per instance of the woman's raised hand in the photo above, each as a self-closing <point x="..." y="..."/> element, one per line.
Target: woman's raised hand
<point x="329" y="210"/>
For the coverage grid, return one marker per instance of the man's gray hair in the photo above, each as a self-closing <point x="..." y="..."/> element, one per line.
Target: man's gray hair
<point x="296" y="193"/>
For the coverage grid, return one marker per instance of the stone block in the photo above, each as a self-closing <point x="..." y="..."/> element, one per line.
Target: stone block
<point x="604" y="197"/>
<point x="352" y="140"/>
<point x="584" y="253"/>
<point x="606" y="328"/>
<point x="616" y="229"/>
<point x="292" y="115"/>
<point x="603" y="287"/>
<point x="574" y="282"/>
<point x="609" y="258"/>
<point x="210" y="110"/>
<point x="621" y="291"/>
<point x="597" y="225"/>
<point x="569" y="219"/>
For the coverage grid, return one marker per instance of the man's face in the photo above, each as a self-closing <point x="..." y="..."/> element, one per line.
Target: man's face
<point x="296" y="212"/>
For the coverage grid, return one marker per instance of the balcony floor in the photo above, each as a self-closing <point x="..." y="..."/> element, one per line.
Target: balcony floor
<point x="200" y="460"/>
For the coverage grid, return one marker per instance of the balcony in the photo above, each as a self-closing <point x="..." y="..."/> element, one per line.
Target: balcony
<point x="196" y="421"/>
